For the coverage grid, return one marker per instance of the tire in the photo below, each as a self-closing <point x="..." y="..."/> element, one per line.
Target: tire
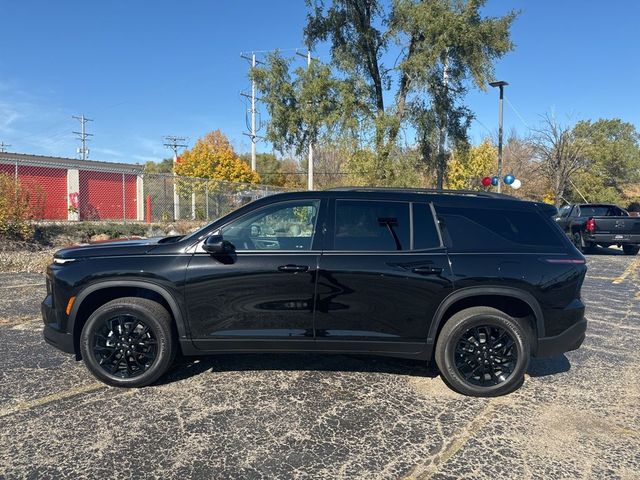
<point x="143" y="353"/>
<point x="455" y="362"/>
<point x="630" y="249"/>
<point x="578" y="241"/>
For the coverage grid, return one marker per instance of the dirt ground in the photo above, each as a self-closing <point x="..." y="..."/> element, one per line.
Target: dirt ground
<point x="312" y="416"/>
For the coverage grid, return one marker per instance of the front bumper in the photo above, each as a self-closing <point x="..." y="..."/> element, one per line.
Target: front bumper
<point x="570" y="339"/>
<point x="53" y="333"/>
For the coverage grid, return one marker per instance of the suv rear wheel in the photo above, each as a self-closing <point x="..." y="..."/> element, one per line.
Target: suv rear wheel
<point x="482" y="352"/>
<point x="630" y="249"/>
<point x="128" y="342"/>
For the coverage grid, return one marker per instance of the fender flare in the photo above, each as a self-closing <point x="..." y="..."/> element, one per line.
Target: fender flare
<point x="176" y="311"/>
<point x="469" y="292"/>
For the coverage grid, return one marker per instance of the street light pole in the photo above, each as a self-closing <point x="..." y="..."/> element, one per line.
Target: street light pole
<point x="501" y="84"/>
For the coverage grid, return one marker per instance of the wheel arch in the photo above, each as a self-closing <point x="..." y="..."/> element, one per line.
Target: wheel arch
<point x="466" y="297"/>
<point x="116" y="289"/>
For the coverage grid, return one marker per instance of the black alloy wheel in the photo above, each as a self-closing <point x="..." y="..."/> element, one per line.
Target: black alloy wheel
<point x="125" y="346"/>
<point x="486" y="355"/>
<point x="128" y="342"/>
<point x="483" y="352"/>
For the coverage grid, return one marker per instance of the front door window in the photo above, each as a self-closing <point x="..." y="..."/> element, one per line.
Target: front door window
<point x="283" y="226"/>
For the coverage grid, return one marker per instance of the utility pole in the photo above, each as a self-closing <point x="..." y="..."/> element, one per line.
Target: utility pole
<point x="310" y="161"/>
<point x="174" y="142"/>
<point x="3" y="147"/>
<point x="83" y="151"/>
<point x="500" y="84"/>
<point x="254" y="127"/>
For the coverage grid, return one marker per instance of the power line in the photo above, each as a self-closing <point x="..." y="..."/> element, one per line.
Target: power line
<point x="174" y="143"/>
<point x="3" y="147"/>
<point x="83" y="151"/>
<point x="253" y="135"/>
<point x="515" y="110"/>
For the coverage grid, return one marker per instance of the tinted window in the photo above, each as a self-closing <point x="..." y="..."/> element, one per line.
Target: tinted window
<point x="425" y="234"/>
<point x="601" y="211"/>
<point x="494" y="230"/>
<point x="370" y="225"/>
<point x="283" y="226"/>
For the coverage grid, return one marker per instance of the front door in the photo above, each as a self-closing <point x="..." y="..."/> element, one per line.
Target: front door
<point x="378" y="285"/>
<point x="265" y="290"/>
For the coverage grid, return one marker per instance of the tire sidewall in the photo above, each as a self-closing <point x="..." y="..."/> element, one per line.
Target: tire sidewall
<point x="159" y="331"/>
<point x="517" y="333"/>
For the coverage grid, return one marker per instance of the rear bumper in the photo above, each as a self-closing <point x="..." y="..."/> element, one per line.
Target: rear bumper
<point x="570" y="339"/>
<point x="52" y="332"/>
<point x="610" y="238"/>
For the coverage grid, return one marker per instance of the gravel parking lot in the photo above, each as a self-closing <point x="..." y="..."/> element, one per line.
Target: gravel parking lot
<point x="266" y="416"/>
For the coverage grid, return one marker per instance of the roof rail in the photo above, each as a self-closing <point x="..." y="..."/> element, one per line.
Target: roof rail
<point x="443" y="191"/>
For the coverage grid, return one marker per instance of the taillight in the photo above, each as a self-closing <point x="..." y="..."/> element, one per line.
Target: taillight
<point x="591" y="225"/>
<point x="574" y="261"/>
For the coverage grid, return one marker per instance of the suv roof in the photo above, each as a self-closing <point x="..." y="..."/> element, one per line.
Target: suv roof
<point x="436" y="191"/>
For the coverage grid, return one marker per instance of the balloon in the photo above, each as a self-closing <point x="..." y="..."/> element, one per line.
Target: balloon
<point x="508" y="179"/>
<point x="486" y="181"/>
<point x="495" y="181"/>
<point x="516" y="184"/>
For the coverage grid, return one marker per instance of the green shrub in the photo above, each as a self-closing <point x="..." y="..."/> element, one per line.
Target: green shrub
<point x="16" y="209"/>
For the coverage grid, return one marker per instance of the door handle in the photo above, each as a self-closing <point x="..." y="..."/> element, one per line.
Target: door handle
<point x="427" y="270"/>
<point x="293" y="268"/>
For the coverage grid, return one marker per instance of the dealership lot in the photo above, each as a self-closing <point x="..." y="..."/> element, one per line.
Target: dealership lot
<point x="265" y="416"/>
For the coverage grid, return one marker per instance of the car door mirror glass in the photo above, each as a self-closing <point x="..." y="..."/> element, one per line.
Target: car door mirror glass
<point x="215" y="244"/>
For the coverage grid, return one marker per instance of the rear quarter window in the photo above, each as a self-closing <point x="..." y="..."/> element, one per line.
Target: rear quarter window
<point x="497" y="230"/>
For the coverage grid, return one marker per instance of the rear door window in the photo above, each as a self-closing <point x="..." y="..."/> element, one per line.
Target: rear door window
<point x="371" y="226"/>
<point x="425" y="234"/>
<point x="496" y="230"/>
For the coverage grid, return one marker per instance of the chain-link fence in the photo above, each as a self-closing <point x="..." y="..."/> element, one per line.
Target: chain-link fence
<point x="63" y="189"/>
<point x="169" y="197"/>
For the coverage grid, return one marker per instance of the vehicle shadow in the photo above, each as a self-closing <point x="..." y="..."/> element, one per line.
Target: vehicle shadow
<point x="186" y="367"/>
<point x="597" y="250"/>
<point x="543" y="367"/>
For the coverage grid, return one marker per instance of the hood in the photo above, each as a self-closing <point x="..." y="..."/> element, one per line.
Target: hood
<point x="108" y="248"/>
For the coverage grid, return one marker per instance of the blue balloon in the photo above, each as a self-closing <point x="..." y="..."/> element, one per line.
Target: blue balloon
<point x="494" y="181"/>
<point x="509" y="179"/>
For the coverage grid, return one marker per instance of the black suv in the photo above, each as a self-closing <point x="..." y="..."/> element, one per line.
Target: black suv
<point x="477" y="282"/>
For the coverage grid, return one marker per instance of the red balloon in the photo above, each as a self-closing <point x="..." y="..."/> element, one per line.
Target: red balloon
<point x="486" y="181"/>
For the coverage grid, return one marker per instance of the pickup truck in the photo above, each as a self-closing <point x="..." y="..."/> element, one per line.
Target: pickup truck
<point x="591" y="224"/>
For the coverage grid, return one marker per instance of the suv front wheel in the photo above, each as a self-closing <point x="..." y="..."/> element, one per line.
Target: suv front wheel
<point x="482" y="352"/>
<point x="128" y="342"/>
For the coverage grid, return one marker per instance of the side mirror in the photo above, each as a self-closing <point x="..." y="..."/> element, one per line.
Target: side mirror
<point x="216" y="245"/>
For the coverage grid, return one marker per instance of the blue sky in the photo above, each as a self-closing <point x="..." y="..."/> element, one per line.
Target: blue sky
<point x="146" y="69"/>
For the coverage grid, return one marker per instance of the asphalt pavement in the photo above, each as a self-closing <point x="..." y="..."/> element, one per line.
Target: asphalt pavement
<point x="312" y="416"/>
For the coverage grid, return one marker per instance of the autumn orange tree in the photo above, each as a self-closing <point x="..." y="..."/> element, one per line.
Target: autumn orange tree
<point x="213" y="157"/>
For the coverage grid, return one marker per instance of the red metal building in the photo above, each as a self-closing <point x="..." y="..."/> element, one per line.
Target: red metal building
<point x="70" y="189"/>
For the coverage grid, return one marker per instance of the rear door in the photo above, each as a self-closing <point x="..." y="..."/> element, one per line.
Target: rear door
<point x="382" y="275"/>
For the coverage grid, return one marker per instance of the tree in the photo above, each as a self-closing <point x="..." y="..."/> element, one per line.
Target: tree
<point x="269" y="168"/>
<point x="467" y="168"/>
<point x="213" y="157"/>
<point x="612" y="154"/>
<point x="443" y="43"/>
<point x="520" y="160"/>
<point x="163" y="166"/>
<point x="560" y="154"/>
<point x="305" y="106"/>
<point x="448" y="43"/>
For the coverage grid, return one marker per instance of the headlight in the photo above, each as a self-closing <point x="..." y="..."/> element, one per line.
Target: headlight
<point x="63" y="261"/>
